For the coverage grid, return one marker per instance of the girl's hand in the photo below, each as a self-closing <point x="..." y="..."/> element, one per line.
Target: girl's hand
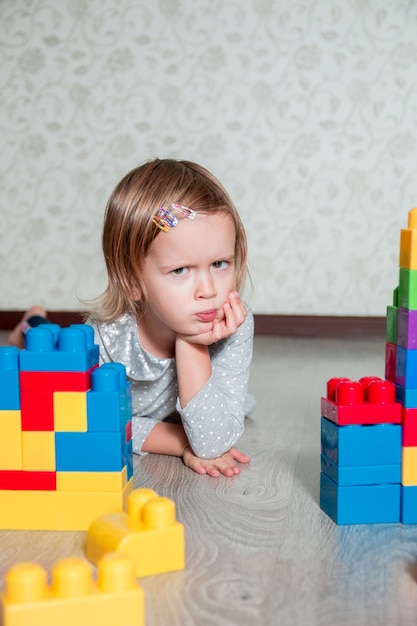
<point x="225" y="464"/>
<point x="234" y="315"/>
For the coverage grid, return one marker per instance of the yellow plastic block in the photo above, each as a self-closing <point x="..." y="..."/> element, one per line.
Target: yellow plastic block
<point x="70" y="411"/>
<point x="408" y="242"/>
<point x="148" y="533"/>
<point x="91" y="481"/>
<point x="58" y="510"/>
<point x="409" y="466"/>
<point x="74" y="598"/>
<point x="10" y="440"/>
<point x="38" y="451"/>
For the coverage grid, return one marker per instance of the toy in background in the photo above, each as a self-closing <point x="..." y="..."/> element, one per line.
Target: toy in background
<point x="65" y="432"/>
<point x="369" y="440"/>
<point x="73" y="597"/>
<point x="401" y="362"/>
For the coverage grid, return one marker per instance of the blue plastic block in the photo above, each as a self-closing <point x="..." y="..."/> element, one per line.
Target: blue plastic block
<point x="89" y="452"/>
<point x="406" y="367"/>
<point x="406" y="396"/>
<point x="360" y="504"/>
<point x="109" y="405"/>
<point x="128" y="459"/>
<point x="361" y="475"/>
<point x="375" y="444"/>
<point x="9" y="379"/>
<point x="409" y="505"/>
<point x="69" y="349"/>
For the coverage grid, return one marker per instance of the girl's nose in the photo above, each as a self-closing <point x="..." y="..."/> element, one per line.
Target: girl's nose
<point x="206" y="287"/>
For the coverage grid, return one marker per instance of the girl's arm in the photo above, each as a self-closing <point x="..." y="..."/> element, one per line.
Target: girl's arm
<point x="212" y="391"/>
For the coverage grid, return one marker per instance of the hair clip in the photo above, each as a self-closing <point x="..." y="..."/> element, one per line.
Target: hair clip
<point x="184" y="210"/>
<point x="165" y="220"/>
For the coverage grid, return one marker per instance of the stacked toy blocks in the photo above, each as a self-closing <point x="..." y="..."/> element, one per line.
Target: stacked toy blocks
<point x="401" y="361"/>
<point x="73" y="597"/>
<point x="65" y="432"/>
<point x="361" y="451"/>
<point x="148" y="533"/>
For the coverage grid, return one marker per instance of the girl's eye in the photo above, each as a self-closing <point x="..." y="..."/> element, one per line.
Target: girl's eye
<point x="220" y="265"/>
<point x="180" y="271"/>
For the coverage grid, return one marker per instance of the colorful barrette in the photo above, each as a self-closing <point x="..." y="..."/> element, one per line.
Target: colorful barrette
<point x="165" y="220"/>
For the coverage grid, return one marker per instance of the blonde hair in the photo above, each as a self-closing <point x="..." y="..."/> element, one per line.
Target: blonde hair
<point x="128" y="229"/>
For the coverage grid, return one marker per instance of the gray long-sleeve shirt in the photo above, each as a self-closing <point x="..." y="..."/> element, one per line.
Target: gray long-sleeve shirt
<point x="214" y="418"/>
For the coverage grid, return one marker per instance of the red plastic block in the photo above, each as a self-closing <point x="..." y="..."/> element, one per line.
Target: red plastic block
<point x="20" y="479"/>
<point x="37" y="410"/>
<point x="371" y="400"/>
<point x="55" y="381"/>
<point x="409" y="434"/>
<point x="390" y="361"/>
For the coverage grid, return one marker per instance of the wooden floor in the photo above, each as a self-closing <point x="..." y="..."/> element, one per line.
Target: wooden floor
<point x="259" y="551"/>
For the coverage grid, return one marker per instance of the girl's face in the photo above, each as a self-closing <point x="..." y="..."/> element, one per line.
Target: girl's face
<point x="188" y="275"/>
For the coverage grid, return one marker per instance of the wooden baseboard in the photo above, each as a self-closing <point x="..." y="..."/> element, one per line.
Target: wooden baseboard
<point x="274" y="325"/>
<point x="319" y="326"/>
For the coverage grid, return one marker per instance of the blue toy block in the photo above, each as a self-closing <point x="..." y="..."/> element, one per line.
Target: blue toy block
<point x="409" y="505"/>
<point x="89" y="452"/>
<point x="360" y="504"/>
<point x="348" y="446"/>
<point x="406" y="367"/>
<point x="71" y="349"/>
<point x="109" y="405"/>
<point x="406" y="396"/>
<point x="9" y="379"/>
<point x="361" y="475"/>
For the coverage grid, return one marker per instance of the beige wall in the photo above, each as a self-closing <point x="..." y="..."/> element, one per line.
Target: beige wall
<point x="306" y="110"/>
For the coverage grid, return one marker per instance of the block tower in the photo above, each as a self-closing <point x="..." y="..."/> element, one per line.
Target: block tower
<point x="401" y="362"/>
<point x="65" y="432"/>
<point x="361" y="451"/>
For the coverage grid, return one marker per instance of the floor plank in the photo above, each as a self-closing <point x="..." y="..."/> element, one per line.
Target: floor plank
<point x="259" y="551"/>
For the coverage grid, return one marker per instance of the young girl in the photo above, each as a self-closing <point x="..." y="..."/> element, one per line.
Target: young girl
<point x="176" y="256"/>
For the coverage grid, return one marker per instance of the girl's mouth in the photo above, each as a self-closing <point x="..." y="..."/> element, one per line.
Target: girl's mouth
<point x="207" y="316"/>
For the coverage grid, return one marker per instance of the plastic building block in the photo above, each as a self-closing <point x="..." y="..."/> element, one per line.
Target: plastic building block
<point x="70" y="411"/>
<point x="406" y="367"/>
<point x="390" y="361"/>
<point x="409" y="428"/>
<point x="38" y="451"/>
<point x="109" y="402"/>
<point x="406" y="396"/>
<point x="409" y="466"/>
<point x="89" y="452"/>
<point x="407" y="328"/>
<point x="58" y="510"/>
<point x="73" y="350"/>
<point x="371" y="400"/>
<point x="360" y="504"/>
<point x="9" y="378"/>
<point x="348" y="446"/>
<point x="73" y="597"/>
<point x="391" y="327"/>
<point x="10" y="440"/>
<point x="407" y="289"/>
<point x="18" y="479"/>
<point x="91" y="481"/>
<point x="55" y="381"/>
<point x="148" y="533"/>
<point x="409" y="505"/>
<point x="408" y="242"/>
<point x="361" y="474"/>
<point x="37" y="410"/>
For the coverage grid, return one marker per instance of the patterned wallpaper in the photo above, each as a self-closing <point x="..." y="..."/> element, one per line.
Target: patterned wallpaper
<point x="306" y="110"/>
